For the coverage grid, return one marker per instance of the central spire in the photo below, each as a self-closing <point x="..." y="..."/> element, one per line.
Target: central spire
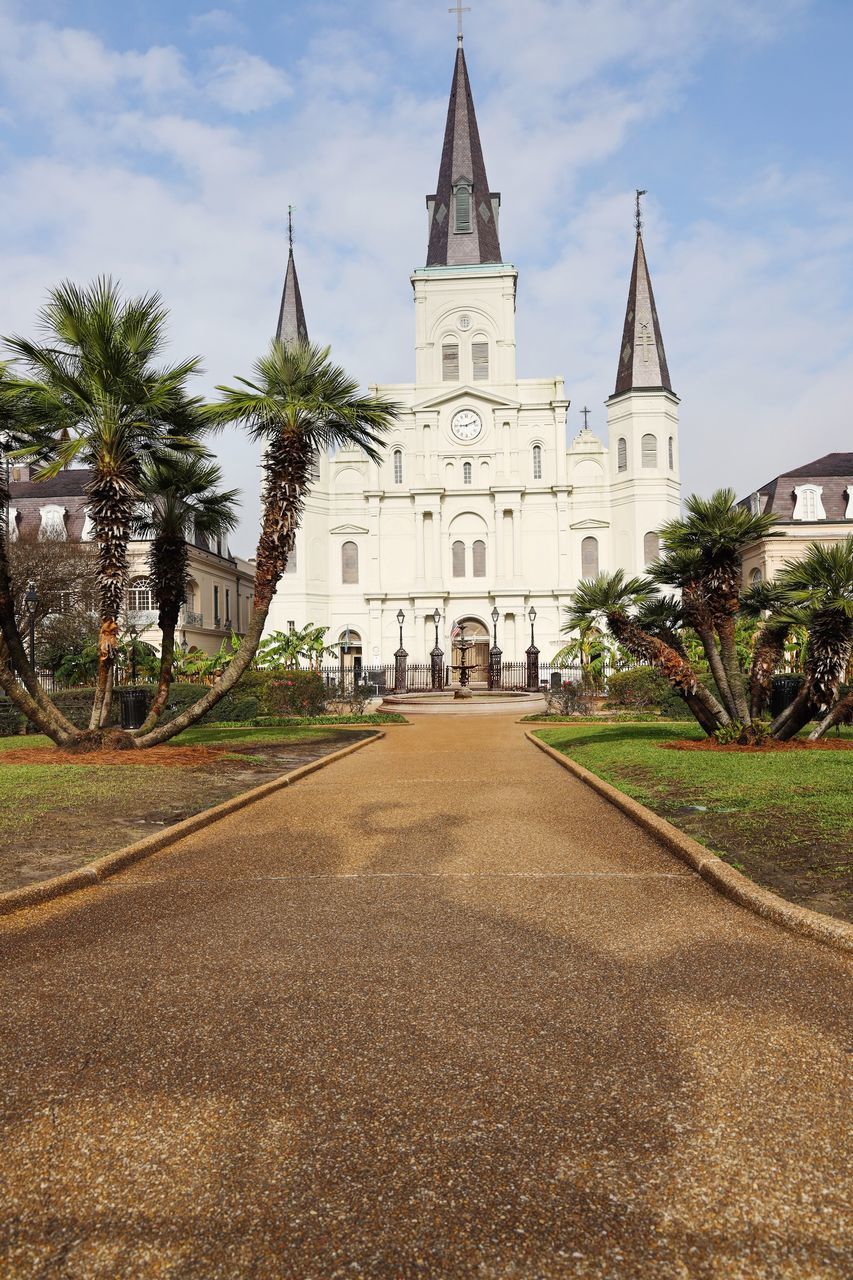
<point x="291" y="317"/>
<point x="642" y="359"/>
<point x="463" y="213"/>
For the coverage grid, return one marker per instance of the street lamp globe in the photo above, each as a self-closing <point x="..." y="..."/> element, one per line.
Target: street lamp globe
<point x="532" y="614"/>
<point x="495" y="614"/>
<point x="436" y="617"/>
<point x="31" y="599"/>
<point x="401" y="617"/>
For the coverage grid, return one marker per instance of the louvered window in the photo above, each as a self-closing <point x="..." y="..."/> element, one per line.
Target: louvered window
<point x="480" y="361"/>
<point x="450" y="362"/>
<point x="398" y="466"/>
<point x="290" y="567"/>
<point x="537" y="462"/>
<point x="650" y="451"/>
<point x="349" y="562"/>
<point x="622" y="454"/>
<point x="467" y="473"/>
<point x="479" y="559"/>
<point x="589" y="558"/>
<point x="651" y="547"/>
<point x="463" y="209"/>
<point x="671" y="454"/>
<point x="459" y="559"/>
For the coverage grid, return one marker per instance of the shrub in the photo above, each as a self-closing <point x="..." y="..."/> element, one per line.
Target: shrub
<point x="296" y="693"/>
<point x="11" y="720"/>
<point x="642" y="690"/>
<point x="346" y="699"/>
<point x="574" y="697"/>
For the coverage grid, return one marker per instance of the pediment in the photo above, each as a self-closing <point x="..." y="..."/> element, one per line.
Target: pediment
<point x="348" y="528"/>
<point x="590" y="524"/>
<point x="465" y="391"/>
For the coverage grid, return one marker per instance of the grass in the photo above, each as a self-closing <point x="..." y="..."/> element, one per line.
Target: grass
<point x="786" y="818"/>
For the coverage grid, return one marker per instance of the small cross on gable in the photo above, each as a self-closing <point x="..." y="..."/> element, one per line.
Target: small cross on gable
<point x="645" y="341"/>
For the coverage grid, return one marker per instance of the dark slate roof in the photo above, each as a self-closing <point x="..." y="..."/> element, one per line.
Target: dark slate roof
<point x="462" y="158"/>
<point x="831" y="464"/>
<point x="68" y="484"/>
<point x="642" y="359"/>
<point x="833" y="474"/>
<point x="291" y="317"/>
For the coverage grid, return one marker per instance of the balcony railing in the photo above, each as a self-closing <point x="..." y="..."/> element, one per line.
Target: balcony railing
<point x="193" y="619"/>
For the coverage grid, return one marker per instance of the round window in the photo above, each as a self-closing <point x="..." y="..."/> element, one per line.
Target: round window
<point x="464" y="322"/>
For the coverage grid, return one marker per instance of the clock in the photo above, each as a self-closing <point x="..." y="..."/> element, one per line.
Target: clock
<point x="466" y="424"/>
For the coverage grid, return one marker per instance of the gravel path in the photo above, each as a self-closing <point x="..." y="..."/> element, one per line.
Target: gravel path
<point x="437" y="1011"/>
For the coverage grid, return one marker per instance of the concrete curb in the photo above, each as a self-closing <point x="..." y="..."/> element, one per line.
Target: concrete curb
<point x="32" y="895"/>
<point x="739" y="888"/>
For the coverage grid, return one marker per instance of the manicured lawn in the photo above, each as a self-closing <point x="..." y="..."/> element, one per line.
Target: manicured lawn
<point x="785" y="817"/>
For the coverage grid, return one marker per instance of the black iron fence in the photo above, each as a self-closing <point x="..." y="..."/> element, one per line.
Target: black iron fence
<point x="419" y="677"/>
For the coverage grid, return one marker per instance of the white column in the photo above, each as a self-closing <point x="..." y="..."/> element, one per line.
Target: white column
<point x="419" y="546"/>
<point x="516" y="543"/>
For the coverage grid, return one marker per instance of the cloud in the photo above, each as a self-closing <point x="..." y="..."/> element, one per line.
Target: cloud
<point x="243" y="82"/>
<point x="216" y="23"/>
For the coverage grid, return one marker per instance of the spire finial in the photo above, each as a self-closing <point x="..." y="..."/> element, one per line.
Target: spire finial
<point x="639" y="214"/>
<point x="586" y="412"/>
<point x="290" y="226"/>
<point x="459" y="9"/>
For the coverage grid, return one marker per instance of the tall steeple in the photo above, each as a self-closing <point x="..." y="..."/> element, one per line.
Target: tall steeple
<point x="642" y="359"/>
<point x="463" y="213"/>
<point x="291" y="316"/>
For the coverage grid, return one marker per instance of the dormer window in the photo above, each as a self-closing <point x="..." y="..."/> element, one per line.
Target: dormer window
<point x="848" y="515"/>
<point x="462" y="195"/>
<point x="808" y="504"/>
<point x="53" y="523"/>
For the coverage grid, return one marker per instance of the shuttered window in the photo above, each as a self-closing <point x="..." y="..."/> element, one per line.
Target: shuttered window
<point x="622" y="454"/>
<point x="589" y="558"/>
<point x="480" y="361"/>
<point x="537" y="462"/>
<point x="479" y="559"/>
<point x="651" y="547"/>
<point x="463" y="209"/>
<point x="467" y="473"/>
<point x="650" y="451"/>
<point x="349" y="562"/>
<point x="398" y="466"/>
<point x="459" y="559"/>
<point x="450" y="362"/>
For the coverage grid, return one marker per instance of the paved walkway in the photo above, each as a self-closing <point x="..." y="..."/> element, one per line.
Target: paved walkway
<point x="436" y="1011"/>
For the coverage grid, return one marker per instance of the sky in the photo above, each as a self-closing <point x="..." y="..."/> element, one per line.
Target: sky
<point x="162" y="143"/>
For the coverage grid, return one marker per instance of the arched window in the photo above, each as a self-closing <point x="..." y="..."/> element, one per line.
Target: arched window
<point x="651" y="547"/>
<point x="480" y="359"/>
<point x="459" y="559"/>
<point x="467" y="473"/>
<point x="349" y="562"/>
<point x="622" y="454"/>
<point x="671" y="454"/>
<point x="650" y="451"/>
<point x="139" y="596"/>
<point x="479" y="559"/>
<point x="398" y="466"/>
<point x="589" y="558"/>
<point x="450" y="361"/>
<point x="462" y="202"/>
<point x="537" y="462"/>
<point x="755" y="577"/>
<point x="807" y="502"/>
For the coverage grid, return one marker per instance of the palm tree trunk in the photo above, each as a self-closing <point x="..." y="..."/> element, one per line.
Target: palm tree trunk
<point x="712" y="654"/>
<point x="48" y="721"/>
<point x="731" y="666"/>
<point x="168" y="622"/>
<point x="766" y="657"/>
<point x="841" y="713"/>
<point x="675" y="669"/>
<point x="107" y="705"/>
<point x="828" y="651"/>
<point x="112" y="503"/>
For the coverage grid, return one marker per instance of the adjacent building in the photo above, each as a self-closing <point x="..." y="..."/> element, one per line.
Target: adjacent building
<point x="813" y="503"/>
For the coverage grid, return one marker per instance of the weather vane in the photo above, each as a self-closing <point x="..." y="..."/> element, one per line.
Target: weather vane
<point x="639" y="213"/>
<point x="459" y="9"/>
<point x="290" y="225"/>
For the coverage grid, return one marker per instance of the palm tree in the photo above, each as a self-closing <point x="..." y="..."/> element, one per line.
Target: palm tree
<point x="616" y="599"/>
<point x="764" y="600"/>
<point x="181" y="498"/>
<point x="297" y="404"/>
<point x="94" y="397"/>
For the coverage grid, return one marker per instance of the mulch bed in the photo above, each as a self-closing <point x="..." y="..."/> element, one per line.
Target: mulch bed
<point x="174" y="757"/>
<point x="797" y="744"/>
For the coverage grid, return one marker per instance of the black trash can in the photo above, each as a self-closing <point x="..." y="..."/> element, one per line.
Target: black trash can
<point x="783" y="691"/>
<point x="133" y="705"/>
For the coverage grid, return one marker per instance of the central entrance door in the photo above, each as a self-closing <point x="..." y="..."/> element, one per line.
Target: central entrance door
<point x="476" y="654"/>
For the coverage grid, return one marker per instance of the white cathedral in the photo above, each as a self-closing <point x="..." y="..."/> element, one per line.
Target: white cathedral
<point x="478" y="503"/>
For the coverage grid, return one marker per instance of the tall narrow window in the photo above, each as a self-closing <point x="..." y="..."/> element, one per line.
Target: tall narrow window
<point x="290" y="567"/>
<point x="651" y="547"/>
<point x="537" y="462"/>
<point x="480" y="360"/>
<point x="349" y="562"/>
<point x="216" y="615"/>
<point x="671" y="454"/>
<point x="450" y="361"/>
<point x="479" y="559"/>
<point x="467" y="473"/>
<point x="649" y="451"/>
<point x="622" y="454"/>
<point x="459" y="559"/>
<point x="463" y="209"/>
<point x="589" y="558"/>
<point x="398" y="466"/>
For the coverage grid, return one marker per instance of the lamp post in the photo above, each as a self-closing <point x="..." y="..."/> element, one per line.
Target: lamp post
<point x="343" y="651"/>
<point x="463" y="648"/>
<point x="495" y="655"/>
<point x="437" y="657"/>
<point x="532" y="656"/>
<point x="31" y="600"/>
<point x="400" y="658"/>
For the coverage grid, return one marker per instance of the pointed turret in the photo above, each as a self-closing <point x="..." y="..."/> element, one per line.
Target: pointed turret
<point x="291" y="316"/>
<point x="642" y="359"/>
<point x="463" y="213"/>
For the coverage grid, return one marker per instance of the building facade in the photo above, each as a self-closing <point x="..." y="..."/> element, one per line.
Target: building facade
<point x="479" y="503"/>
<point x="814" y="503"/>
<point x="220" y="588"/>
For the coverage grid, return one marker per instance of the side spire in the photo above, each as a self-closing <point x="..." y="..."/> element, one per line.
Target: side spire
<point x="291" y="317"/>
<point x="463" y="213"/>
<point x="642" y="359"/>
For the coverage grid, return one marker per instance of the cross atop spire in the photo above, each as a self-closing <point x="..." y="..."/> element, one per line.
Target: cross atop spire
<point x="586" y="412"/>
<point x="642" y="360"/>
<point x="290" y="226"/>
<point x="639" y="212"/>
<point x="291" y="317"/>
<point x="459" y="9"/>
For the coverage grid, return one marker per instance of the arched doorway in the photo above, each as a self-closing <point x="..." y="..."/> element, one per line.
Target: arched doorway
<point x="350" y="651"/>
<point x="476" y="654"/>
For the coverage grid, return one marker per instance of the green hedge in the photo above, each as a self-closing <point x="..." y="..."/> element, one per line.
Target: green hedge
<point x="644" y="689"/>
<point x="11" y="721"/>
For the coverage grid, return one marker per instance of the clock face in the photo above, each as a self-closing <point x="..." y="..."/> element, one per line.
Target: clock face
<point x="466" y="424"/>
